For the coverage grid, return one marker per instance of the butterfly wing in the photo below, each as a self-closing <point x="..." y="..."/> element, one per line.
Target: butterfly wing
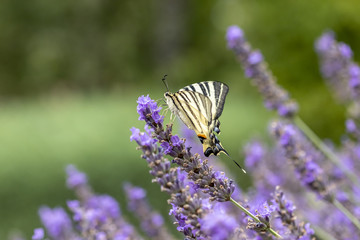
<point x="215" y="91"/>
<point x="194" y="109"/>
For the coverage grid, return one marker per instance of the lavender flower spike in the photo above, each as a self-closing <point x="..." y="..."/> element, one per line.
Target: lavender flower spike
<point x="187" y="208"/>
<point x="152" y="223"/>
<point x="302" y="155"/>
<point x="56" y="222"/>
<point x="285" y="210"/>
<point x="337" y="66"/>
<point x="77" y="181"/>
<point x="255" y="68"/>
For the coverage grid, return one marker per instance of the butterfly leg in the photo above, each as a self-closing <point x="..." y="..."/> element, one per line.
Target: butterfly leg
<point x="165" y="111"/>
<point x="172" y="117"/>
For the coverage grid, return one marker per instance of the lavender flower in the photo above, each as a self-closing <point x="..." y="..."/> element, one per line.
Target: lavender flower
<point x="255" y="68"/>
<point x="337" y="66"/>
<point x="218" y="225"/>
<point x="78" y="182"/>
<point x="38" y="234"/>
<point x="285" y="210"/>
<point x="99" y="217"/>
<point x="187" y="208"/>
<point x="302" y="157"/>
<point x="56" y="222"/>
<point x="152" y="223"/>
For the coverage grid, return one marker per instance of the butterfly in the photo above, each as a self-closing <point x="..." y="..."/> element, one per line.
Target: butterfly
<point x="199" y="106"/>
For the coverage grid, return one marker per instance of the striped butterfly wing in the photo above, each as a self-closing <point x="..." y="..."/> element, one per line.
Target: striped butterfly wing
<point x="195" y="110"/>
<point x="215" y="91"/>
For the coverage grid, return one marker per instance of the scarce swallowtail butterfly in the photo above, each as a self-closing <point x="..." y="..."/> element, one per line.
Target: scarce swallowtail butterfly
<point x="199" y="106"/>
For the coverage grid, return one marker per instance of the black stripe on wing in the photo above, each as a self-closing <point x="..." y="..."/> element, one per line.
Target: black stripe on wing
<point x="184" y="105"/>
<point x="215" y="91"/>
<point x="221" y="90"/>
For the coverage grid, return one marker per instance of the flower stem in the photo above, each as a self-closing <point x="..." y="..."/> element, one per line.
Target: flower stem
<point x="323" y="148"/>
<point x="254" y="217"/>
<point x="348" y="214"/>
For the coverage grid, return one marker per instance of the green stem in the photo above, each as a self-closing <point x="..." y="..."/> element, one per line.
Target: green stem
<point x="348" y="214"/>
<point x="253" y="217"/>
<point x="323" y="148"/>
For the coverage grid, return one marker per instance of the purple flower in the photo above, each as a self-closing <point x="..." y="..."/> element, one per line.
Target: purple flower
<point x="38" y="234"/>
<point x="219" y="225"/>
<point x="255" y="57"/>
<point x="148" y="106"/>
<point x="233" y="34"/>
<point x="253" y="63"/>
<point x="325" y="42"/>
<point x="301" y="154"/>
<point x="350" y="125"/>
<point x="75" y="178"/>
<point x="254" y="153"/>
<point x="337" y="67"/>
<point x="287" y="135"/>
<point x="285" y="210"/>
<point x="312" y="172"/>
<point x="345" y="50"/>
<point x="101" y="236"/>
<point x="56" y="222"/>
<point x="143" y="139"/>
<point x="105" y="207"/>
<point x="354" y="74"/>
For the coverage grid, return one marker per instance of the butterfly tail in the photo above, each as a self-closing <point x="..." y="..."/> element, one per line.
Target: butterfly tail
<point x="216" y="148"/>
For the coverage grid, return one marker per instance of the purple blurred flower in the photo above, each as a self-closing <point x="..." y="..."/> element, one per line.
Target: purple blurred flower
<point x="350" y="126"/>
<point x="337" y="67"/>
<point x="56" y="222"/>
<point x="285" y="210"/>
<point x="152" y="222"/>
<point x="325" y="41"/>
<point x="75" y="178"/>
<point x="254" y="153"/>
<point x="354" y="76"/>
<point x="275" y="97"/>
<point x="233" y="35"/>
<point x="345" y="50"/>
<point x="78" y="181"/>
<point x="38" y="234"/>
<point x="105" y="207"/>
<point x="301" y="155"/>
<point x="219" y="225"/>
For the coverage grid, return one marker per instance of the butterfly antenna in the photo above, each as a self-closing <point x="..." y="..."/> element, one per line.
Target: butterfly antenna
<point x="237" y="164"/>
<point x="165" y="82"/>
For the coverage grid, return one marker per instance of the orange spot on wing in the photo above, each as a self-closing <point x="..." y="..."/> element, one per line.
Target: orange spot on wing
<point x="201" y="135"/>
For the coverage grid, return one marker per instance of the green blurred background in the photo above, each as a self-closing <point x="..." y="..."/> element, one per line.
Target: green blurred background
<point x="71" y="71"/>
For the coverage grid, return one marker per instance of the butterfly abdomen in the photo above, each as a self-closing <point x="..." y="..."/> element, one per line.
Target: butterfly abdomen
<point x="212" y="145"/>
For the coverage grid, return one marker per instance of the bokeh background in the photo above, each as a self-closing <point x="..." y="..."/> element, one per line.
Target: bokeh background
<point x="71" y="71"/>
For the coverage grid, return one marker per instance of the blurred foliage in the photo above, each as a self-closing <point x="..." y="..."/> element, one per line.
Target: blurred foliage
<point x="110" y="52"/>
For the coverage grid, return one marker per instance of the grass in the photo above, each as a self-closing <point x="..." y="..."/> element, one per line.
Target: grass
<point x="38" y="138"/>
